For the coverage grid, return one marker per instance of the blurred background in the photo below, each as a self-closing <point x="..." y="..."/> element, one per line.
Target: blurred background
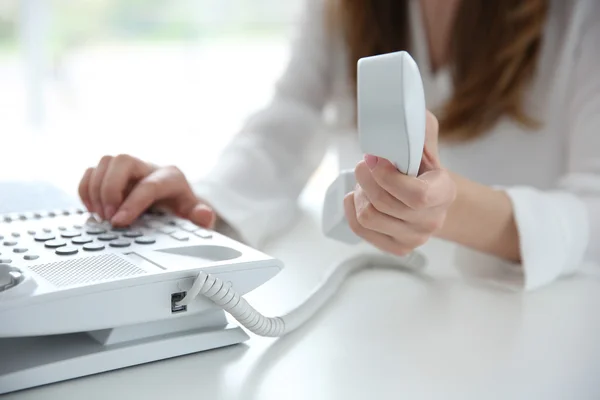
<point x="168" y="81"/>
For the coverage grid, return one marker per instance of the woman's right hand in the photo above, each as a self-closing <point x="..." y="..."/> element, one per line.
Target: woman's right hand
<point x="119" y="189"/>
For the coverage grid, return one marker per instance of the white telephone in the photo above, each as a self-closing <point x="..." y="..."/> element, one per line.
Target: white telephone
<point x="79" y="297"/>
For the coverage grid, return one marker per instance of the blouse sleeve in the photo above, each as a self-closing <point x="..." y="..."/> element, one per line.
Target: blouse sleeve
<point x="559" y="230"/>
<point x="258" y="178"/>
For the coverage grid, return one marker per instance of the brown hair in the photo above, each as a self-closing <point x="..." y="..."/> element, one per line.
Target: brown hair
<point x="494" y="47"/>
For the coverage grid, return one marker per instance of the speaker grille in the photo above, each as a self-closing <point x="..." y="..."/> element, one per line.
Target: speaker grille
<point x="78" y="271"/>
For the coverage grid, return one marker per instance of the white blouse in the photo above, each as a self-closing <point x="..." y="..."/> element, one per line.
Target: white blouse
<point x="552" y="175"/>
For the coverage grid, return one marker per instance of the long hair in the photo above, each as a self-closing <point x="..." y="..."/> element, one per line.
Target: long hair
<point x="493" y="51"/>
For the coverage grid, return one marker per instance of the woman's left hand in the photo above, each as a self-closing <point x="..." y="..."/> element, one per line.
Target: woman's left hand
<point x="395" y="212"/>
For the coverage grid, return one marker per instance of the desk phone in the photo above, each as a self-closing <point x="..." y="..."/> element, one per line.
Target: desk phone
<point x="89" y="297"/>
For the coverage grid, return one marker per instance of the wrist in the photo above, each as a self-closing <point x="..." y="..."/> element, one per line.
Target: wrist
<point x="482" y="218"/>
<point x="459" y="211"/>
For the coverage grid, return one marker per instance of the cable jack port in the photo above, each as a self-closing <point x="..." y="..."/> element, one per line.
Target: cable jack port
<point x="175" y="298"/>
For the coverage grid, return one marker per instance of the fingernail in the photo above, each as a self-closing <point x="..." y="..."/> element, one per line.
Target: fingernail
<point x="371" y="161"/>
<point x="98" y="210"/>
<point x="109" y="211"/>
<point x="120" y="217"/>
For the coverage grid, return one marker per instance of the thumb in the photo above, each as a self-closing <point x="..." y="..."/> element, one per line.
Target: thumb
<point x="202" y="215"/>
<point x="431" y="157"/>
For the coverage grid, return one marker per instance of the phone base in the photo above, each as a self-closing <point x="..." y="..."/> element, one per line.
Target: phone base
<point x="36" y="361"/>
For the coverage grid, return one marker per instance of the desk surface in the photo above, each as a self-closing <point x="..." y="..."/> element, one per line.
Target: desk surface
<point x="387" y="335"/>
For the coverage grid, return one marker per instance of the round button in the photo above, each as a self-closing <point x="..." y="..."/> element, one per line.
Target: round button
<point x="70" y="234"/>
<point x="93" y="246"/>
<point x="145" y="240"/>
<point x="16" y="234"/>
<point x="133" y="234"/>
<point x="120" y="243"/>
<point x="53" y="244"/>
<point x="82" y="240"/>
<point x="95" y="230"/>
<point x="42" y="237"/>
<point x="31" y="232"/>
<point x="66" y="251"/>
<point x="62" y="228"/>
<point x="30" y="257"/>
<point x="20" y="250"/>
<point x="107" y="237"/>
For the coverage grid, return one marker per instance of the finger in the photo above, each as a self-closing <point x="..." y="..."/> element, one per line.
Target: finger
<point x="202" y="215"/>
<point x="409" y="190"/>
<point x="83" y="189"/>
<point x="161" y="184"/>
<point x="425" y="220"/>
<point x="199" y="212"/>
<point x="187" y="205"/>
<point x="121" y="171"/>
<point x="96" y="184"/>
<point x="430" y="160"/>
<point x="381" y="199"/>
<point x="140" y="199"/>
<point x="432" y="189"/>
<point x="370" y="218"/>
<point x="379" y="240"/>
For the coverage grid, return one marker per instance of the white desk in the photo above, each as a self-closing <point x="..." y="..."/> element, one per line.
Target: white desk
<point x="386" y="336"/>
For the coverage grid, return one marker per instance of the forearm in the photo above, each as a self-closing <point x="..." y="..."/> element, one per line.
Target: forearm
<point x="482" y="218"/>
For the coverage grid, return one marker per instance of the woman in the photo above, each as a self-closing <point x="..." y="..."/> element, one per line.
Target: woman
<point x="515" y="92"/>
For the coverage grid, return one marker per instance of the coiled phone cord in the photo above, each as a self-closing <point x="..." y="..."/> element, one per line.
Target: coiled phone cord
<point x="223" y="295"/>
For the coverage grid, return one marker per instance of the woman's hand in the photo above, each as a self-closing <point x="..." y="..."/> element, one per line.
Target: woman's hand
<point x="121" y="188"/>
<point x="395" y="212"/>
